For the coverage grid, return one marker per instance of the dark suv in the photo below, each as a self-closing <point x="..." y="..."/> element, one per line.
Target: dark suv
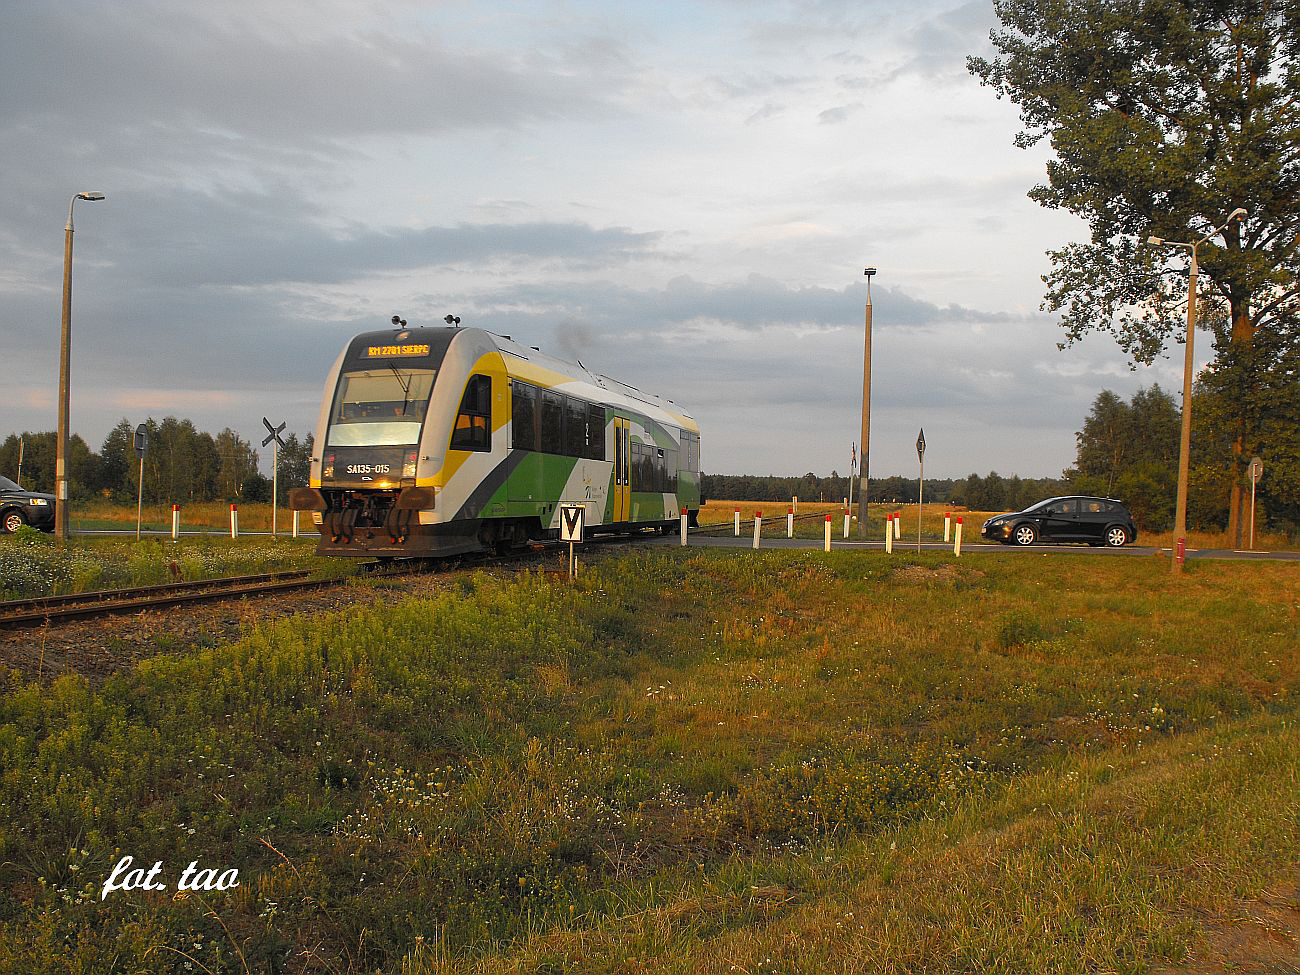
<point x="1097" y="521"/>
<point x="19" y="507"/>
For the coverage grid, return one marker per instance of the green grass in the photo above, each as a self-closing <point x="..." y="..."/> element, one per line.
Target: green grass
<point x="689" y="761"/>
<point x="34" y="564"/>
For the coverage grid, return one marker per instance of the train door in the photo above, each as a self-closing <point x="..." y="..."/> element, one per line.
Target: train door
<point x="621" y="503"/>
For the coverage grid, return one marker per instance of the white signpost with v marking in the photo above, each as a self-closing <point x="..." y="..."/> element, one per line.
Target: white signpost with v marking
<point x="573" y="522"/>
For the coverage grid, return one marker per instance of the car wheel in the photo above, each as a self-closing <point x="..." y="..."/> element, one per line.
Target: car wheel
<point x="1024" y="535"/>
<point x="1116" y="536"/>
<point x="12" y="521"/>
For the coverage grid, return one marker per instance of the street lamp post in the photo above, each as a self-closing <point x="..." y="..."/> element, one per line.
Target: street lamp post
<point x="1185" y="442"/>
<point x="65" y="351"/>
<point x="864" y="468"/>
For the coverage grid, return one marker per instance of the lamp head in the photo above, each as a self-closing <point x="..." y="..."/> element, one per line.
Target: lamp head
<point x="90" y="196"/>
<point x="1157" y="241"/>
<point x="1237" y="214"/>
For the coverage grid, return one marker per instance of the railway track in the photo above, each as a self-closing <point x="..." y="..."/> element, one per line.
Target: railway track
<point x="20" y="613"/>
<point x="49" y="610"/>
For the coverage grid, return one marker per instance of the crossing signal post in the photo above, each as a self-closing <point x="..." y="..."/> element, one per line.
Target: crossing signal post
<point x="920" y="485"/>
<point x="273" y="436"/>
<point x="573" y="521"/>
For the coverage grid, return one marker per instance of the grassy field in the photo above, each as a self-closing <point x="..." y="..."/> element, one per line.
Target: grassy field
<point x="212" y="516"/>
<point x="811" y="520"/>
<point x="33" y="564"/>
<point x="688" y="761"/>
<point x="774" y="514"/>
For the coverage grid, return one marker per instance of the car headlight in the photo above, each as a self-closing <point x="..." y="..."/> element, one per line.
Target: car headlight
<point x="38" y="502"/>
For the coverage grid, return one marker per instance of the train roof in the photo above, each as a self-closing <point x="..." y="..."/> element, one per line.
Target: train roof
<point x="551" y="370"/>
<point x="603" y="387"/>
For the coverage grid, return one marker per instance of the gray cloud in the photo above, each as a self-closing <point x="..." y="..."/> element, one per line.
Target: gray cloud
<point x="139" y="66"/>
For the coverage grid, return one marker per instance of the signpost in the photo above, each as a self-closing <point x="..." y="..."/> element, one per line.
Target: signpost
<point x="20" y="461"/>
<point x="920" y="486"/>
<point x="141" y="448"/>
<point x="1256" y="471"/>
<point x="273" y="435"/>
<point x="573" y="521"/>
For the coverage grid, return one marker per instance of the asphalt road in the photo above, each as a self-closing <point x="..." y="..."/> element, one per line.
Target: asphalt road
<point x="977" y="548"/>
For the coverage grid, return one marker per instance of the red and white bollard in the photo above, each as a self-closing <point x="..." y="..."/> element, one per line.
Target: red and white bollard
<point x="176" y="522"/>
<point x="947" y="524"/>
<point x="789" y="523"/>
<point x="828" y="533"/>
<point x="898" y="525"/>
<point x="234" y="520"/>
<point x="737" y="522"/>
<point x="889" y="535"/>
<point x="758" y="526"/>
<point x="846" y="522"/>
<point x="956" y="545"/>
<point x="684" y="519"/>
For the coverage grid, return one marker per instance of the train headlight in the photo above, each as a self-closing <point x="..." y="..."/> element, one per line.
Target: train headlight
<point x="327" y="469"/>
<point x="408" y="468"/>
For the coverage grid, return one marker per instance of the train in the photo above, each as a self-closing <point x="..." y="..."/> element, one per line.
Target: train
<point x="437" y="441"/>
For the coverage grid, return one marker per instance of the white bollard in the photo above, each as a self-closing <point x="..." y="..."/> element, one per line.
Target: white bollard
<point x="794" y="502"/>
<point x="176" y="522"/>
<point x="889" y="535"/>
<point x="898" y="525"/>
<point x="956" y="545"/>
<point x="846" y="522"/>
<point x="789" y="523"/>
<point x="295" y="524"/>
<point x="234" y="520"/>
<point x="684" y="518"/>
<point x="758" y="526"/>
<point x="737" y="522"/>
<point x="828" y="533"/>
<point x="947" y="524"/>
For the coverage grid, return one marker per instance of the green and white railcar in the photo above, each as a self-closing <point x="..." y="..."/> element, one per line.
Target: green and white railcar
<point x="439" y="441"/>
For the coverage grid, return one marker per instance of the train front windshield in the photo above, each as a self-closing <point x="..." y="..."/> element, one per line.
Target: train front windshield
<point x="380" y="407"/>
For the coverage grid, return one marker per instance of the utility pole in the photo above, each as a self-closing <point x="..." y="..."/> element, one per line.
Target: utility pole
<point x="65" y="355"/>
<point x="864" y="472"/>
<point x="1185" y="435"/>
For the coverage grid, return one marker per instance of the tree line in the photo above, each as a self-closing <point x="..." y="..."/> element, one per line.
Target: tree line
<point x="182" y="464"/>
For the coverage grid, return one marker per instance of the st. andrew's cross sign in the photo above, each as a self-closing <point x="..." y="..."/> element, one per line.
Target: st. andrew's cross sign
<point x="273" y="435"/>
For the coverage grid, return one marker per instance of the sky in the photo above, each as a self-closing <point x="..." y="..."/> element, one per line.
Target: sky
<point x="684" y="193"/>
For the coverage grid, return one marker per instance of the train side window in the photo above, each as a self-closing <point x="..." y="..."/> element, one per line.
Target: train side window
<point x="552" y="423"/>
<point x="523" y="417"/>
<point x="595" y="433"/>
<point x="474" y="421"/>
<point x="668" y="470"/>
<point x="575" y="427"/>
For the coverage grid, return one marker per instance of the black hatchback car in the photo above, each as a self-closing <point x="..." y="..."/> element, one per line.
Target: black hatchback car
<point x="1097" y="521"/>
<point x="19" y="507"/>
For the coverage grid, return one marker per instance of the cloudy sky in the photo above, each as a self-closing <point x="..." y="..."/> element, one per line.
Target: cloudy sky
<point x="683" y="192"/>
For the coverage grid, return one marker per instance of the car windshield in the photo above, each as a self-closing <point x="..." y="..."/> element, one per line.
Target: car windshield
<point x="8" y="485"/>
<point x="380" y="407"/>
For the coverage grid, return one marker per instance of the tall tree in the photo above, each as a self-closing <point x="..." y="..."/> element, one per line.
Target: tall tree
<point x="1163" y="116"/>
